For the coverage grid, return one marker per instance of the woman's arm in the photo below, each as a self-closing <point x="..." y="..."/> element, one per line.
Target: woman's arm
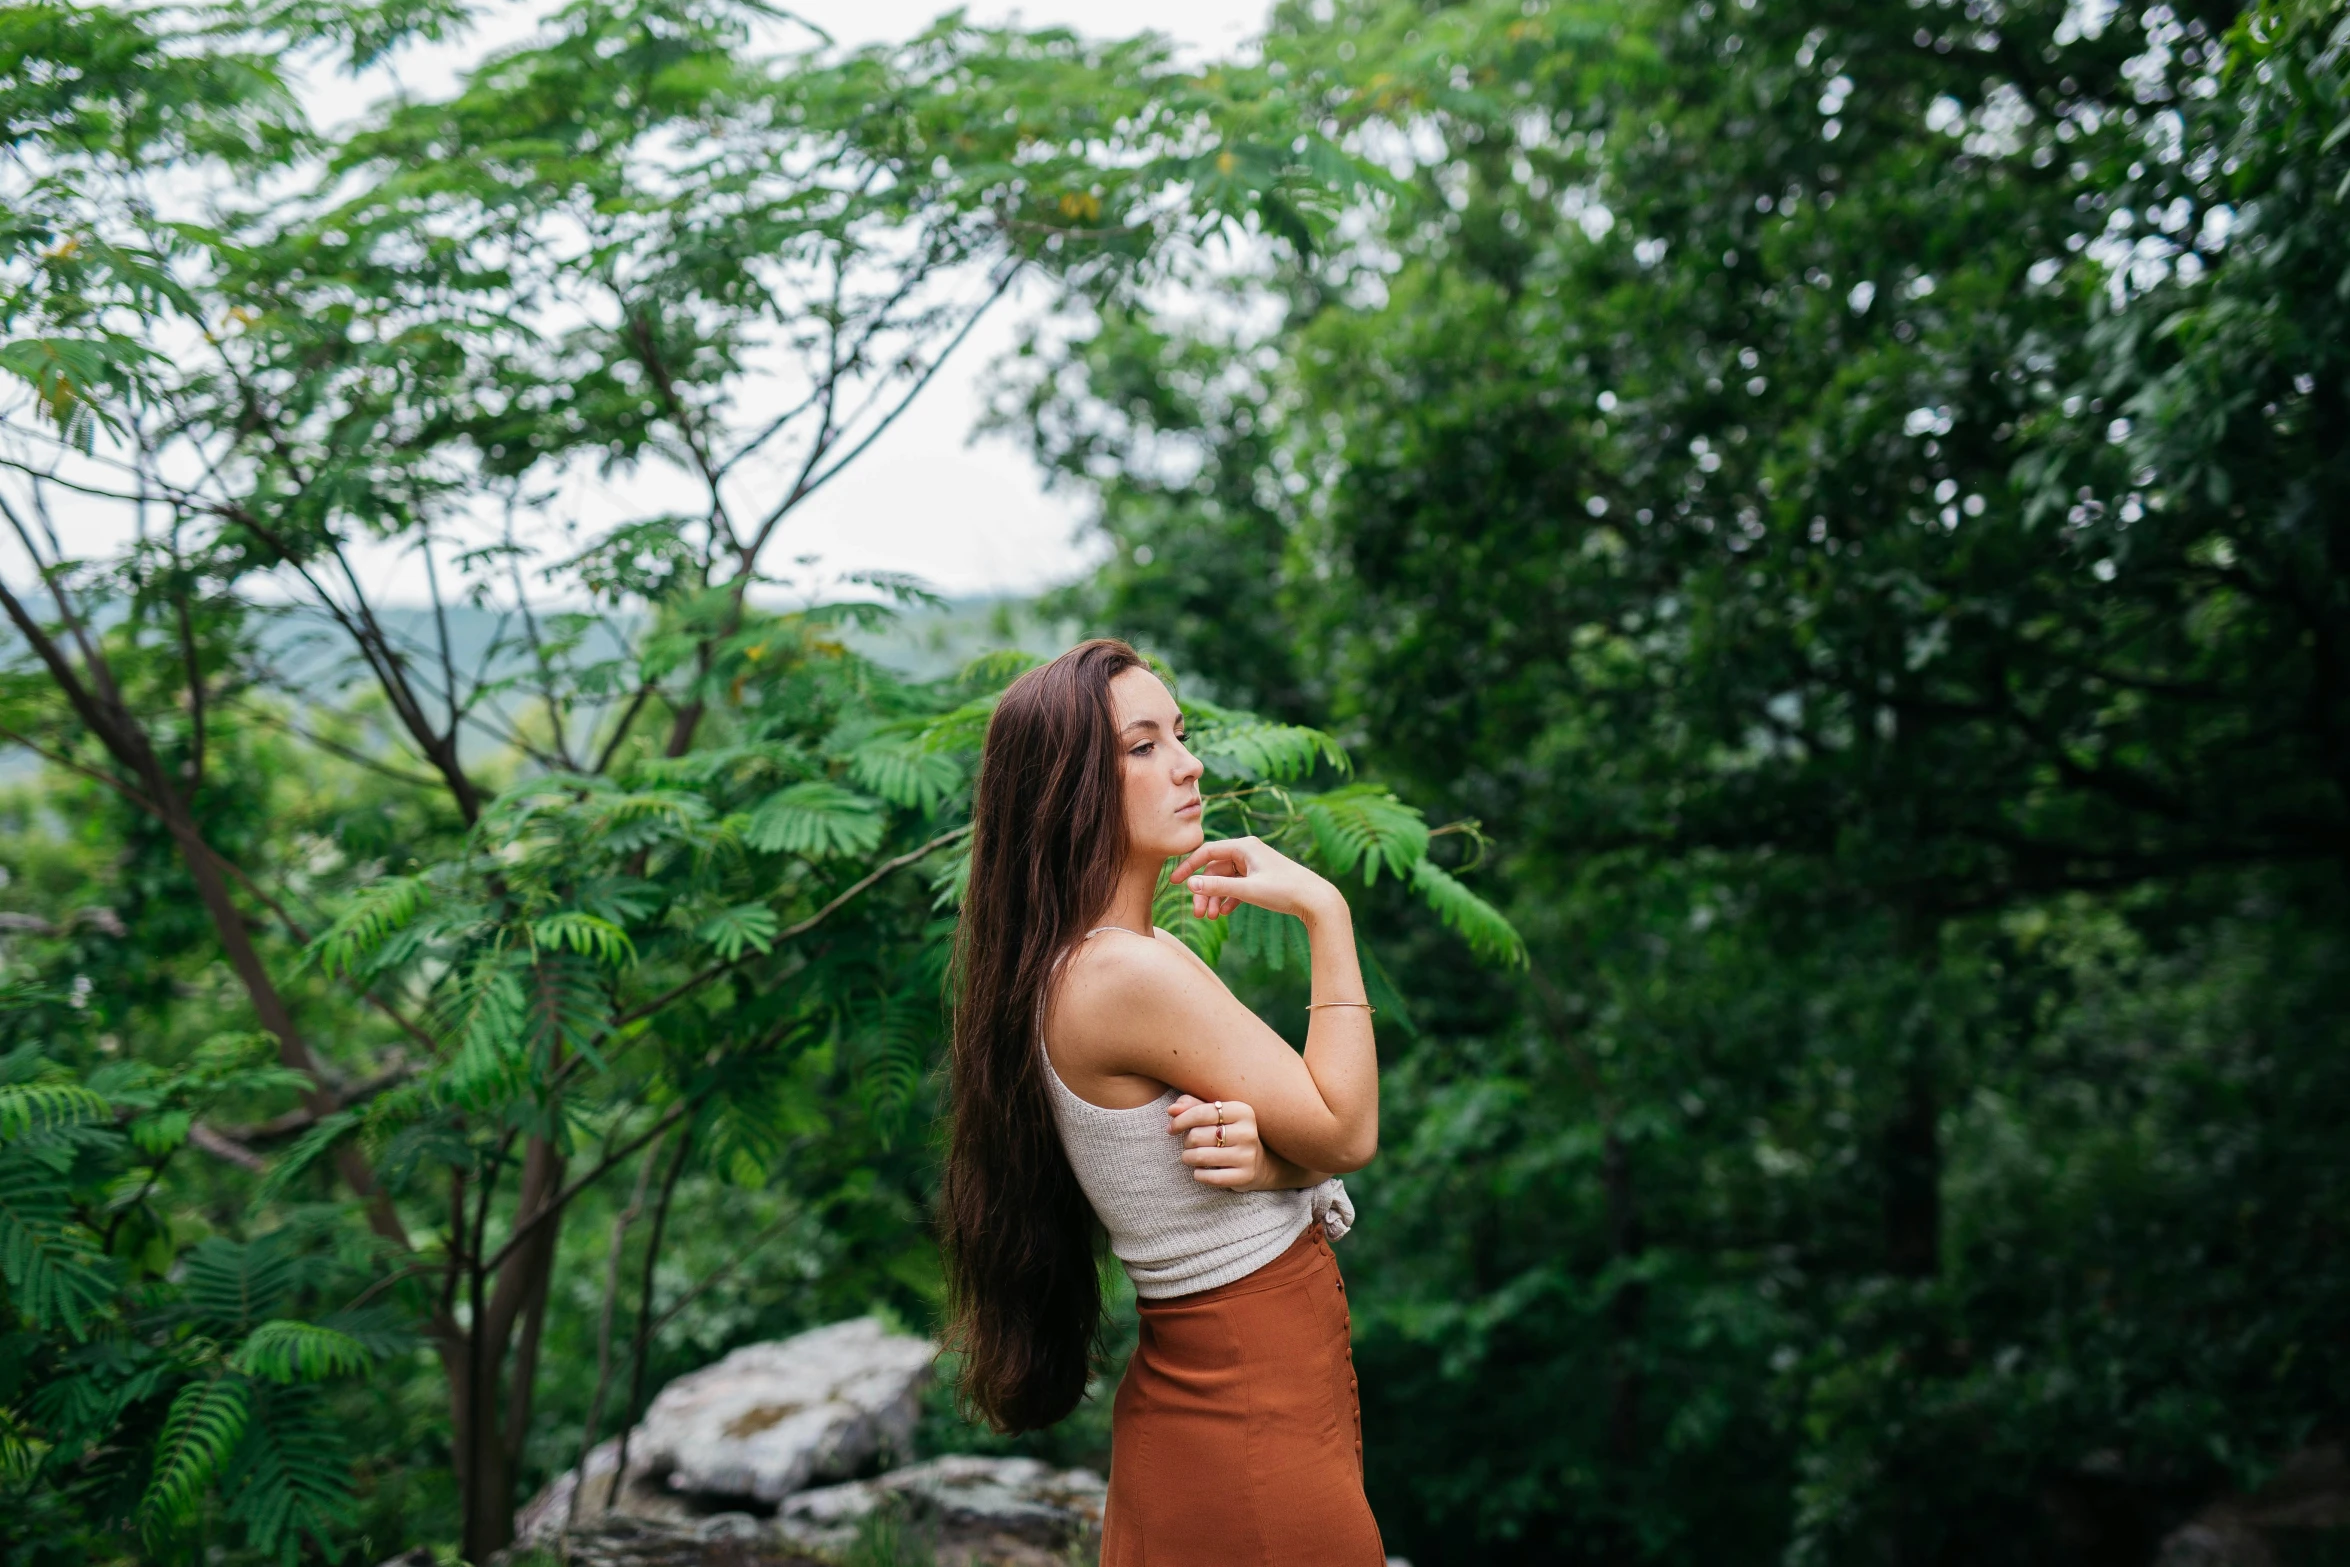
<point x="1221" y="1145"/>
<point x="1152" y="1010"/>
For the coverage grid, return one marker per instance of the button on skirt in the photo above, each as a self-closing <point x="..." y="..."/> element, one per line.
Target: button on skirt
<point x="1237" y="1435"/>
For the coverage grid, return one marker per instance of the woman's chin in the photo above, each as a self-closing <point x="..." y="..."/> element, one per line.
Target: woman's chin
<point x="1185" y="837"/>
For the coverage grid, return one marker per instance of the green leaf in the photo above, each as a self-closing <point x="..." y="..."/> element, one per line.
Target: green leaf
<point x="749" y="926"/>
<point x="1171" y="912"/>
<point x="282" y="1350"/>
<point x="488" y="1011"/>
<point x="373" y="916"/>
<point x="950" y="878"/>
<point x="573" y="930"/>
<point x="228" y="1286"/>
<point x="58" y="1275"/>
<point x="815" y="820"/>
<point x="1479" y="923"/>
<point x="1367" y="827"/>
<point x="200" y="1433"/>
<point x="963" y="729"/>
<point x="891" y="1054"/>
<point x="308" y="1149"/>
<point x="1381" y="991"/>
<point x="292" y="1478"/>
<point x="906" y="772"/>
<point x="49" y="1107"/>
<point x="66" y="374"/>
<point x="1234" y="745"/>
<point x="998" y="667"/>
<point x="1275" y="940"/>
<point x="161" y="1132"/>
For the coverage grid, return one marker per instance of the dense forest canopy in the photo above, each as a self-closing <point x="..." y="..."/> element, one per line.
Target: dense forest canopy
<point x="1852" y="497"/>
<point x="1793" y="555"/>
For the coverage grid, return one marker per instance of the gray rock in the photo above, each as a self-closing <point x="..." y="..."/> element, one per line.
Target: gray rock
<point x="757" y="1426"/>
<point x="726" y="1540"/>
<point x="2310" y="1492"/>
<point x="643" y="1496"/>
<point x="769" y="1418"/>
<point x="1016" y="1512"/>
<point x="2214" y="1541"/>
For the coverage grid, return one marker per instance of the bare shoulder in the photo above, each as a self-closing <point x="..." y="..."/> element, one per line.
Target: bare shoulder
<point x="1119" y="982"/>
<point x="1118" y="965"/>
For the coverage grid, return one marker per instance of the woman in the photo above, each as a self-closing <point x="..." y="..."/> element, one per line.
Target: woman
<point x="1102" y="1072"/>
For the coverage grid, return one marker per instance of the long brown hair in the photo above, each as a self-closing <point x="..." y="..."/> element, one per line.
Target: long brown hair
<point x="1048" y="840"/>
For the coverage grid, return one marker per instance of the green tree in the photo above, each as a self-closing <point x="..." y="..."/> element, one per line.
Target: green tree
<point x="638" y="891"/>
<point x="1849" y="497"/>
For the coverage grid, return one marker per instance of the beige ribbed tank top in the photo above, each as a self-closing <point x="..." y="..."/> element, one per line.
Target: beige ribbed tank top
<point x="1174" y="1234"/>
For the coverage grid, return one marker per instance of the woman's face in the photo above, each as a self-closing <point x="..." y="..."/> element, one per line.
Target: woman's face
<point x="1162" y="778"/>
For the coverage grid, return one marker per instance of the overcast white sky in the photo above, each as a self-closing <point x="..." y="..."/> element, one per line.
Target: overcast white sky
<point x="968" y="518"/>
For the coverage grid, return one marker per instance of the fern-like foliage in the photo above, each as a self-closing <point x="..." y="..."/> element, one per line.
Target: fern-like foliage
<point x="906" y="772"/>
<point x="200" y="1437"/>
<point x="745" y="927"/>
<point x="20" y="1449"/>
<point x="574" y="930"/>
<point x="1368" y="829"/>
<point x="893" y="1053"/>
<point x="287" y="1352"/>
<point x="1381" y="991"/>
<point x="1171" y="911"/>
<point x="815" y="820"/>
<point x="49" y="1107"/>
<point x="962" y="729"/>
<point x="950" y="878"/>
<point x="312" y="1146"/>
<point x="1237" y="745"/>
<point x="997" y="669"/>
<point x="1489" y="935"/>
<point x="377" y="912"/>
<point x="230" y="1287"/>
<point x="291" y="1481"/>
<point x="1275" y="940"/>
<point x="485" y="1011"/>
<point x="58" y="1275"/>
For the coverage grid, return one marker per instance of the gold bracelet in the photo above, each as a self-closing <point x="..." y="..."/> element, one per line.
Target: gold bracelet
<point x="1365" y="1005"/>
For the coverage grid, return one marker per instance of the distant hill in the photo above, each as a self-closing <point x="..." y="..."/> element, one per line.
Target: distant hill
<point x="924" y="644"/>
<point x="311" y="653"/>
<point x="921" y="644"/>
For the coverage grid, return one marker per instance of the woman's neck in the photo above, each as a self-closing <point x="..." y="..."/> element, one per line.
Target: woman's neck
<point x="1130" y="905"/>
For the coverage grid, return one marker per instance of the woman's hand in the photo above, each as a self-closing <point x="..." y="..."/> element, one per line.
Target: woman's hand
<point x="1232" y="871"/>
<point x="1221" y="1145"/>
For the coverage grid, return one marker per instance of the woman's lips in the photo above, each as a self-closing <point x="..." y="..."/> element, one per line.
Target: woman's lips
<point x="1188" y="808"/>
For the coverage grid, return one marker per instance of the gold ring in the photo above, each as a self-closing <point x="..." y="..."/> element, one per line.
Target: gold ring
<point x="1219" y="1134"/>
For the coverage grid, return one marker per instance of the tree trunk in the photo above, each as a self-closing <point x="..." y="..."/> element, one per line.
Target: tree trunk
<point x="1627" y="1315"/>
<point x="1913" y="1172"/>
<point x="488" y="1438"/>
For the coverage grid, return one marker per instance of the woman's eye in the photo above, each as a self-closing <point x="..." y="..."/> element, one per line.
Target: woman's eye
<point x="1144" y="749"/>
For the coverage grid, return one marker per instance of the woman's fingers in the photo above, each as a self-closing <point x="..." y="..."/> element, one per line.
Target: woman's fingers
<point x="1207" y="1114"/>
<point x="1207" y="908"/>
<point x="1228" y="856"/>
<point x="1220" y="1141"/>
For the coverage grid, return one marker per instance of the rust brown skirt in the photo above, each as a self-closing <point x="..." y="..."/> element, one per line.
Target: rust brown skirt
<point x="1237" y="1437"/>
